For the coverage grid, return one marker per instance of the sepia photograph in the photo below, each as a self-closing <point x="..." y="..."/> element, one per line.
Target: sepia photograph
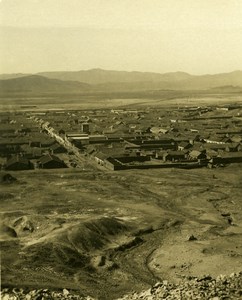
<point x="121" y="149"/>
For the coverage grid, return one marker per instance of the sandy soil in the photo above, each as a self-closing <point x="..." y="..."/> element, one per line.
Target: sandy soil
<point x="107" y="233"/>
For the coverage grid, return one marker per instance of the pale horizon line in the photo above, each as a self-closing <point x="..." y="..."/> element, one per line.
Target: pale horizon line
<point x="116" y="70"/>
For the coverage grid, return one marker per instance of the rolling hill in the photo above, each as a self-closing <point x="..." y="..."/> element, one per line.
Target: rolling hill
<point x="12" y="76"/>
<point x="40" y="84"/>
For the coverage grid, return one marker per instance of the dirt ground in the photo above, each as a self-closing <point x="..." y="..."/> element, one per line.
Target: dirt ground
<point x="106" y="233"/>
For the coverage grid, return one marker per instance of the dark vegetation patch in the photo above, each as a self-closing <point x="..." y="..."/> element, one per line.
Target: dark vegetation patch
<point x="8" y="178"/>
<point x="6" y="196"/>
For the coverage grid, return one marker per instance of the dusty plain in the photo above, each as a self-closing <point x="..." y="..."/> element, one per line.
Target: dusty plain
<point x="105" y="233"/>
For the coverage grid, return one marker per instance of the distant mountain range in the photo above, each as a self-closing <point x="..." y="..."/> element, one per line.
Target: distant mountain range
<point x="105" y="80"/>
<point x="99" y="76"/>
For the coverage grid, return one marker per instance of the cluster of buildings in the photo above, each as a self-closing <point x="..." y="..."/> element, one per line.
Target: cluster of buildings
<point x="186" y="137"/>
<point x="24" y="146"/>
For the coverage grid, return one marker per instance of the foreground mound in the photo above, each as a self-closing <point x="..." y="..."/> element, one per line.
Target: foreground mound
<point x="223" y="287"/>
<point x="76" y="246"/>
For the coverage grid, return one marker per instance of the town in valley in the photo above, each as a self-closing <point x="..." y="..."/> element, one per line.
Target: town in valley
<point x="122" y="138"/>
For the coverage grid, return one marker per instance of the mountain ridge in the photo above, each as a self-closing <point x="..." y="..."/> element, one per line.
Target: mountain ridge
<point x="134" y="80"/>
<point x="97" y="80"/>
<point x="99" y="76"/>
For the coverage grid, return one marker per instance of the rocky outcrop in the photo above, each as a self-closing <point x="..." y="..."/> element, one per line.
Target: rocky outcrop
<point x="43" y="294"/>
<point x="191" y="288"/>
<point x="206" y="287"/>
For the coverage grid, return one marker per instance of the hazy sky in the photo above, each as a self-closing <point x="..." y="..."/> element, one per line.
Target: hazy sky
<point x="196" y="36"/>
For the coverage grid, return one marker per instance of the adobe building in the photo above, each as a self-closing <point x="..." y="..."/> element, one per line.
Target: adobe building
<point x="18" y="163"/>
<point x="51" y="162"/>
